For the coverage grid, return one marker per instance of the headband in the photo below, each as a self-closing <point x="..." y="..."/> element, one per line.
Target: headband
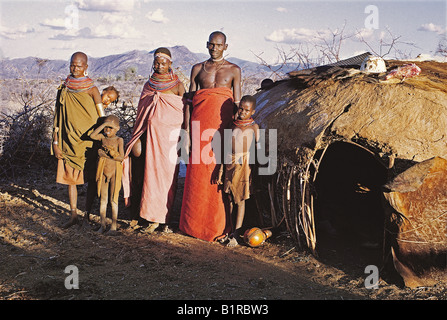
<point x="163" y="55"/>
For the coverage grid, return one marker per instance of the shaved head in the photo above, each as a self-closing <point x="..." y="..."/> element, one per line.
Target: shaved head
<point x="113" y="120"/>
<point x="79" y="55"/>
<point x="218" y="34"/>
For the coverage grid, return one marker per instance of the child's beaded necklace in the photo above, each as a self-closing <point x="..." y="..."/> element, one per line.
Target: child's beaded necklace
<point x="243" y="123"/>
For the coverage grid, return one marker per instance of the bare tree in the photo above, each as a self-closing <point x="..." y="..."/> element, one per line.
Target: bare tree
<point x="25" y="131"/>
<point x="282" y="60"/>
<point x="330" y="46"/>
<point x="388" y="43"/>
<point x="325" y="47"/>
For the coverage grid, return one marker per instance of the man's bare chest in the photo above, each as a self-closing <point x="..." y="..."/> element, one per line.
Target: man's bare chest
<point x="218" y="78"/>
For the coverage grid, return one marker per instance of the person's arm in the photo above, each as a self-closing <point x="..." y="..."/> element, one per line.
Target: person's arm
<point x="56" y="150"/>
<point x="94" y="92"/>
<point x="188" y="97"/>
<point x="117" y="155"/>
<point x="256" y="129"/>
<point x="237" y="90"/>
<point x="120" y="157"/>
<point x="97" y="135"/>
<point x="193" y="86"/>
<point x="181" y="89"/>
<point x="220" y="175"/>
<point x="188" y="106"/>
<point x="186" y="127"/>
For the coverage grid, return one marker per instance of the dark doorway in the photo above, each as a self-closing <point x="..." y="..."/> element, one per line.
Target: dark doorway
<point x="348" y="207"/>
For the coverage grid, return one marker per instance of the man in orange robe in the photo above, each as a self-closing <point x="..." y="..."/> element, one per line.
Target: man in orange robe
<point x="216" y="85"/>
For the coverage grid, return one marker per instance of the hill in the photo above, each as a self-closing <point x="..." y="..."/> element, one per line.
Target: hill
<point x="136" y="62"/>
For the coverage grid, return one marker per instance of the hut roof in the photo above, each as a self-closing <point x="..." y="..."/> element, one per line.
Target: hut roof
<point x="404" y="118"/>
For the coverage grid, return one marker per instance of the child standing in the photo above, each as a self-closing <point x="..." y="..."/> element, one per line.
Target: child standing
<point x="110" y="169"/>
<point x="237" y="174"/>
<point x="109" y="95"/>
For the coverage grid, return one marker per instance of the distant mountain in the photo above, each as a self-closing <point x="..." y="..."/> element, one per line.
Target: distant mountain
<point x="136" y="63"/>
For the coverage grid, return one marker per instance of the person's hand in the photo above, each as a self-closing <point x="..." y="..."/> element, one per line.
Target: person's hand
<point x="102" y="153"/>
<point x="113" y="153"/>
<point x="57" y="152"/>
<point x="218" y="179"/>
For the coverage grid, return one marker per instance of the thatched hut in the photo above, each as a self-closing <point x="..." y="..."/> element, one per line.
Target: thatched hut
<point x="345" y="140"/>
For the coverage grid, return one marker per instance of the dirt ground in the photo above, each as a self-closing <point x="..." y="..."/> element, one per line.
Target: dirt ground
<point x="35" y="250"/>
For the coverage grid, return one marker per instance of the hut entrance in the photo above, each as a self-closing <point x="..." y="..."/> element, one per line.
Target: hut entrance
<point x="348" y="203"/>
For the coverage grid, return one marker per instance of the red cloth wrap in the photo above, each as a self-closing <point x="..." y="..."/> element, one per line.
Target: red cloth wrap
<point x="161" y="116"/>
<point x="204" y="214"/>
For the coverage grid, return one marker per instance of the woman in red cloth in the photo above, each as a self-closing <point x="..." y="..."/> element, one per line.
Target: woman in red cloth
<point x="151" y="163"/>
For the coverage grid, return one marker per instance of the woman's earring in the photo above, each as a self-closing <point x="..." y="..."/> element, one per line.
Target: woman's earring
<point x="85" y="73"/>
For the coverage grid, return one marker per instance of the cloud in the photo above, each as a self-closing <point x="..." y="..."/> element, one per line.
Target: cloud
<point x="117" y="32"/>
<point x="431" y="27"/>
<point x="116" y="18"/>
<point x="15" y="33"/>
<point x="364" y="34"/>
<point x="117" y="25"/>
<point x="56" y="23"/>
<point x="106" y="5"/>
<point x="294" y="36"/>
<point x="112" y="25"/>
<point x="157" y="16"/>
<point x="70" y="34"/>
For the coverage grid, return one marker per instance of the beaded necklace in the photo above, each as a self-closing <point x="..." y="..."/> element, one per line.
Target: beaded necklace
<point x="163" y="82"/>
<point x="78" y="84"/>
<point x="243" y="123"/>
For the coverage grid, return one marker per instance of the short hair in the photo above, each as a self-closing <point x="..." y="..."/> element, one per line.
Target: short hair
<point x="218" y="33"/>
<point x="112" y="88"/>
<point x="114" y="119"/>
<point x="265" y="83"/>
<point x="249" y="99"/>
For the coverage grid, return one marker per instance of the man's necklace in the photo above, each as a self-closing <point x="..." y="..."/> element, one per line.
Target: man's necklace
<point x="218" y="67"/>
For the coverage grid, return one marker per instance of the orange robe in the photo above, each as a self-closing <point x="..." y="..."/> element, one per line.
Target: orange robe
<point x="204" y="214"/>
<point x="161" y="116"/>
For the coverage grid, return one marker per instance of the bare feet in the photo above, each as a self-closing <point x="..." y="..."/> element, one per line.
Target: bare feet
<point x="101" y="230"/>
<point x="232" y="243"/>
<point x="85" y="223"/>
<point x="112" y="233"/>
<point x="151" y="228"/>
<point x="223" y="239"/>
<point x="73" y="221"/>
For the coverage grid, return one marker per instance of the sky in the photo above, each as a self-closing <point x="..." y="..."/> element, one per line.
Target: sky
<point x="256" y="29"/>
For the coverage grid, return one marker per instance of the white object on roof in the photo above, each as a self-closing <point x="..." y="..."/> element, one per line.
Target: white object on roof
<point x="373" y="64"/>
